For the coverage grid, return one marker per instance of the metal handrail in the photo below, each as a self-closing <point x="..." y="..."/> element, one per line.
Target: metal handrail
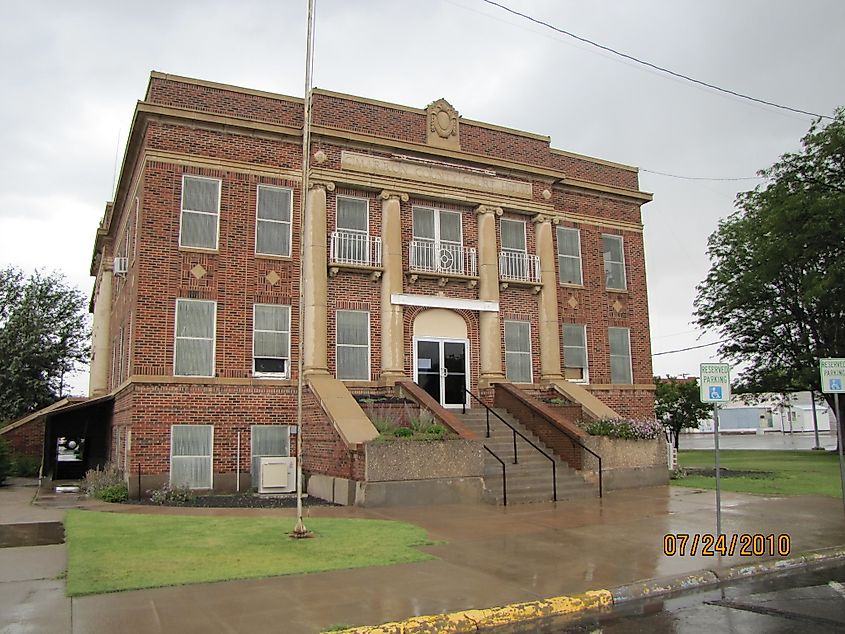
<point x="584" y="447"/>
<point x="504" y="475"/>
<point x="521" y="435"/>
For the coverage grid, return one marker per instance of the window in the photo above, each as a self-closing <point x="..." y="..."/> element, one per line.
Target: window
<point x="514" y="250"/>
<point x="273" y="224"/>
<point x="267" y="440"/>
<point x="575" y="352"/>
<point x="200" y="212"/>
<point x="614" y="262"/>
<point x="518" y="351"/>
<point x="353" y="229"/>
<point x="190" y="456"/>
<point x="195" y="323"/>
<point x="270" y="339"/>
<point x="620" y="355"/>
<point x="353" y="345"/>
<point x="569" y="255"/>
<point x="438" y="240"/>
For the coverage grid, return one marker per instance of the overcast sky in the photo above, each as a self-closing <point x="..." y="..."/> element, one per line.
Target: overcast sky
<point x="72" y="72"/>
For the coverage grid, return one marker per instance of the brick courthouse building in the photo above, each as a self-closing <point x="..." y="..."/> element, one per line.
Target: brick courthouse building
<point x="445" y="252"/>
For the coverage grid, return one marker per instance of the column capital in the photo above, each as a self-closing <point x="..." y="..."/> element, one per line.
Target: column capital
<point x="488" y="209"/>
<point x="318" y="184"/>
<point x="540" y="218"/>
<point x="387" y="194"/>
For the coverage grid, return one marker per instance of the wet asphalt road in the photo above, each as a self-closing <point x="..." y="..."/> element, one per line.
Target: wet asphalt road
<point x="807" y="602"/>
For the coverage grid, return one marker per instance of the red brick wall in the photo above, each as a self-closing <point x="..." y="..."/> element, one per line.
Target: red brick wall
<point x="26" y="440"/>
<point x="144" y="303"/>
<point x="230" y="409"/>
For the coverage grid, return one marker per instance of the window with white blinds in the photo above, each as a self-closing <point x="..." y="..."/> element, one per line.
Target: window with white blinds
<point x="569" y="255"/>
<point x="194" y="350"/>
<point x="271" y="340"/>
<point x="575" y="352"/>
<point x="200" y="218"/>
<point x="513" y="235"/>
<point x="620" y="355"/>
<point x="614" y="262"/>
<point x="191" y="456"/>
<point x="266" y="441"/>
<point x="518" y="351"/>
<point x="273" y="223"/>
<point x="353" y="345"/>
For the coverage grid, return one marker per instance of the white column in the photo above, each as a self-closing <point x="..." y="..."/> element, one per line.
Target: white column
<point x="392" y="320"/>
<point x="490" y="336"/>
<point x="98" y="383"/>
<point x="547" y="300"/>
<point x="315" y="281"/>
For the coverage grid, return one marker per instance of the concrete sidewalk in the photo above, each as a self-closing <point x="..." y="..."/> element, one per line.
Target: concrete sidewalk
<point x="493" y="556"/>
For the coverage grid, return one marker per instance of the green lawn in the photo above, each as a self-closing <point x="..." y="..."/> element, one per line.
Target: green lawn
<point x="790" y="472"/>
<point x="122" y="551"/>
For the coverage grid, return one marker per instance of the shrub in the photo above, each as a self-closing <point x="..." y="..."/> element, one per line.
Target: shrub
<point x="403" y="432"/>
<point x="26" y="466"/>
<point x="625" y="428"/>
<point x="172" y="496"/>
<point x="5" y="460"/>
<point x="96" y="481"/>
<point x="115" y="493"/>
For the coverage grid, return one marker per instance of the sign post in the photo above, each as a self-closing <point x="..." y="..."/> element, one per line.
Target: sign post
<point x="833" y="382"/>
<point x="715" y="387"/>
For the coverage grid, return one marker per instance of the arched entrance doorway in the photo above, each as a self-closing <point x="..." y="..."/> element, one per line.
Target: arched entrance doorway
<point x="441" y="356"/>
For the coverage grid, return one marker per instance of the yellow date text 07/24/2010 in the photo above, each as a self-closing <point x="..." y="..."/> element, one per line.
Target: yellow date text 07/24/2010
<point x="742" y="544"/>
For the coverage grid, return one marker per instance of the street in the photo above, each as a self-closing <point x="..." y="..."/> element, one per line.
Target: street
<point x="806" y="601"/>
<point x="769" y="441"/>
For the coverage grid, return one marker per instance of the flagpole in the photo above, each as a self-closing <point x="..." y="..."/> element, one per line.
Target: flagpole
<point x="300" y="530"/>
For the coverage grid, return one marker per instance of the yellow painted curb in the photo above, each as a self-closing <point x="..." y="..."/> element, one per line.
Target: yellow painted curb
<point x="475" y="620"/>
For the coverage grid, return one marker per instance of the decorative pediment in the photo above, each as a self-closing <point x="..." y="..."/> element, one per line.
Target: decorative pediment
<point x="442" y="125"/>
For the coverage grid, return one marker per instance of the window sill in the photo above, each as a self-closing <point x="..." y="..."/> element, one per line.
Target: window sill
<point x="571" y="285"/>
<point x="270" y="256"/>
<point x="198" y="250"/>
<point x="623" y="291"/>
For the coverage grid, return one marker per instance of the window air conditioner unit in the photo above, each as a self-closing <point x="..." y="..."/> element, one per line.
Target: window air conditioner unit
<point x="276" y="475"/>
<point x="121" y="266"/>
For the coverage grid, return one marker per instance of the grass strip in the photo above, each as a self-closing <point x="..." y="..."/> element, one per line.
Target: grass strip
<point x="108" y="552"/>
<point x="782" y="472"/>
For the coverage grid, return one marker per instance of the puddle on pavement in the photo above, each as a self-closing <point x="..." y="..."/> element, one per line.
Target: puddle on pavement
<point x="34" y="534"/>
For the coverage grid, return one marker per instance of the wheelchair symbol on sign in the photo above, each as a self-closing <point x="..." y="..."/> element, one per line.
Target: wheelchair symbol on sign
<point x="836" y="385"/>
<point x="715" y="392"/>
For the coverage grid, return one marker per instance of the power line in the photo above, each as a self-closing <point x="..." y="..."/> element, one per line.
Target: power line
<point x="655" y="66"/>
<point x="703" y="178"/>
<point x="706" y="345"/>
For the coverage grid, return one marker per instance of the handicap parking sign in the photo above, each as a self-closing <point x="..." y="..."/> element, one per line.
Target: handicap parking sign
<point x="833" y="375"/>
<point x="716" y="392"/>
<point x="836" y="385"/>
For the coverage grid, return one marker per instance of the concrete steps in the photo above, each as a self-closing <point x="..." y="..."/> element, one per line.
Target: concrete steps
<point x="530" y="479"/>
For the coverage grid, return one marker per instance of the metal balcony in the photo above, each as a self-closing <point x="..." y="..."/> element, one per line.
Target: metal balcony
<point x="356" y="249"/>
<point x="519" y="267"/>
<point x="442" y="258"/>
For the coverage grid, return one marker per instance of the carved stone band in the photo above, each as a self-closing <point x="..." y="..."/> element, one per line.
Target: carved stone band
<point x="388" y="194"/>
<point x="487" y="209"/>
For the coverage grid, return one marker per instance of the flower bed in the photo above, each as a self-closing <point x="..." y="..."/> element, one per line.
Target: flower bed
<point x="624" y="428"/>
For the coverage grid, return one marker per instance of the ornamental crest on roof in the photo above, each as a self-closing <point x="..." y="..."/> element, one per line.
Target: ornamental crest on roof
<point x="442" y="125"/>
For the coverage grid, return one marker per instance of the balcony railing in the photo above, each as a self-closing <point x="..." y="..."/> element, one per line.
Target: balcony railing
<point x="355" y="248"/>
<point x="516" y="266"/>
<point x="445" y="258"/>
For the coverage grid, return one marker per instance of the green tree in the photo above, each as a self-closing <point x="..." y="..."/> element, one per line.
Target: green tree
<point x="44" y="337"/>
<point x="776" y="287"/>
<point x="678" y="406"/>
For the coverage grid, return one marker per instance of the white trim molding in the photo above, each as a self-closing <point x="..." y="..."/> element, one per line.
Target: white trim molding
<point x="434" y="301"/>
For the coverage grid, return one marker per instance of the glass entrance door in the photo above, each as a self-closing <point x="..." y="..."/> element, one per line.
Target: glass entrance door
<point x="441" y="370"/>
